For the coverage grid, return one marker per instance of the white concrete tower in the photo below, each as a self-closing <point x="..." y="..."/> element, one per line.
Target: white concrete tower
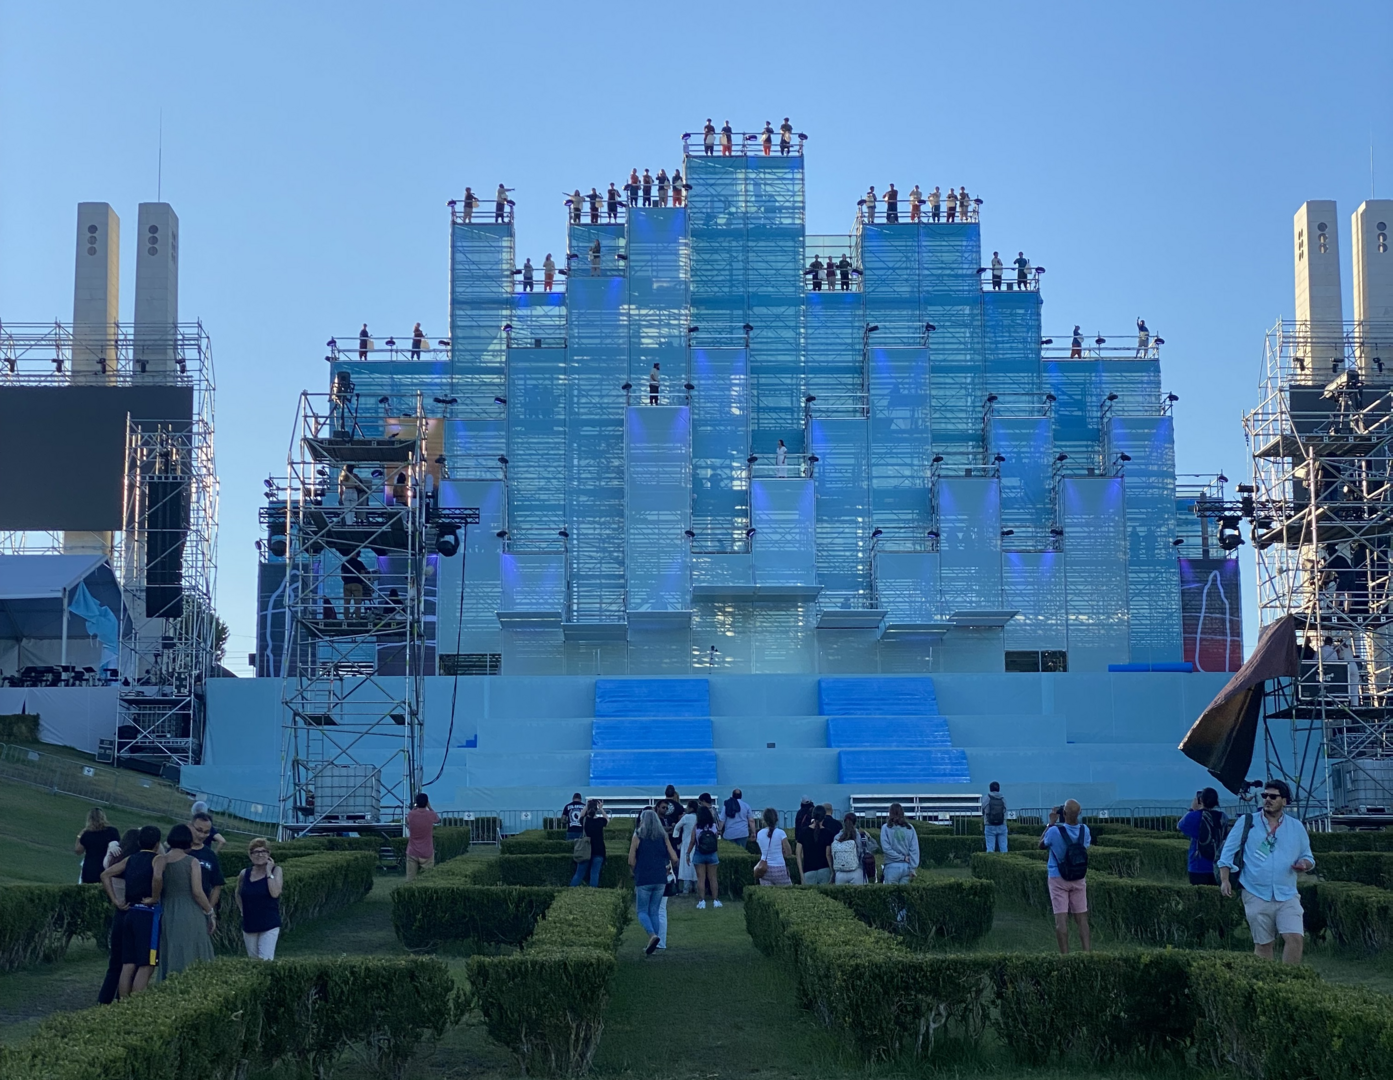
<point x="1372" y="257"/>
<point x="1319" y="314"/>
<point x="96" y="292"/>
<point x="156" y="293"/>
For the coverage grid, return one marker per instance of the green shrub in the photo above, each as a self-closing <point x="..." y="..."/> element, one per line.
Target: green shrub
<point x="939" y="848"/>
<point x="1019" y="879"/>
<point x="431" y="912"/>
<point x="1361" y="867"/>
<point x="215" y="1020"/>
<point x="1354" y="916"/>
<point x="1156" y="913"/>
<point x="19" y="727"/>
<point x="39" y="922"/>
<point x="547" y="1003"/>
<point x="1168" y="860"/>
<point x="1280" y="1022"/>
<point x="515" y="845"/>
<point x="1382" y="840"/>
<point x="736" y="870"/>
<point x="924" y="912"/>
<point x="314" y="885"/>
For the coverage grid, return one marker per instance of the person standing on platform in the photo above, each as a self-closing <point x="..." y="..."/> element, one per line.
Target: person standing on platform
<point x="916" y="197"/>
<point x="766" y="138"/>
<point x="679" y="194"/>
<point x="815" y="271"/>
<point x="952" y="201"/>
<point x="663" y="185"/>
<point x="136" y="912"/>
<point x="548" y="272"/>
<point x="1204" y="825"/>
<point x="595" y="258"/>
<point x="708" y="137"/>
<point x="1076" y="344"/>
<point x="364" y="342"/>
<point x="631" y="188"/>
<point x="421" y="821"/>
<point x="575" y="202"/>
<point x="418" y="341"/>
<point x="1267" y="850"/>
<point x="781" y="461"/>
<point x="844" y="270"/>
<point x="354" y="573"/>
<point x="934" y="198"/>
<point x="467" y="205"/>
<point x="900" y="843"/>
<point x="892" y="204"/>
<point x="1143" y="338"/>
<point x="647" y="188"/>
<point x="595" y="206"/>
<point x="785" y="138"/>
<point x="994" y="818"/>
<point x="500" y="205"/>
<point x="737" y="817"/>
<point x="92" y="843"/>
<point x="650" y="856"/>
<point x="869" y="203"/>
<point x="997" y="267"/>
<point x="259" y="900"/>
<point x="653" y="384"/>
<point x="727" y="139"/>
<point x="964" y="204"/>
<point x="592" y="828"/>
<point x="612" y="204"/>
<point x="1022" y="265"/>
<point x="528" y="277"/>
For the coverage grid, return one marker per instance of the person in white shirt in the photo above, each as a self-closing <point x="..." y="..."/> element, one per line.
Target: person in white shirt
<point x="774" y="851"/>
<point x="915" y="198"/>
<point x="548" y="272"/>
<point x="869" y="203"/>
<point x="781" y="459"/>
<point x="681" y="834"/>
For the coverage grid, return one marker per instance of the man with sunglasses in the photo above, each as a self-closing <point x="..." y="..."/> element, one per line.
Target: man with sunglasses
<point x="1268" y="850"/>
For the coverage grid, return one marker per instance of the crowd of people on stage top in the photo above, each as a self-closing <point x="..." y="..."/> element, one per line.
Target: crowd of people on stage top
<point x="165" y="891"/>
<point x="955" y="206"/>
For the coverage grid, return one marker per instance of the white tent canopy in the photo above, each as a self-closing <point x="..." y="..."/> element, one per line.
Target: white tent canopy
<point x="44" y="577"/>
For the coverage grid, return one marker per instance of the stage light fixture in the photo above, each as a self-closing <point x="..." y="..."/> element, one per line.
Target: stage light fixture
<point x="500" y="401"/>
<point x="507" y="328"/>
<point x="502" y="534"/>
<point x="331" y="344"/>
<point x="446" y="401"/>
<point x="750" y="533"/>
<point x="1047" y="341"/>
<point x="391" y="343"/>
<point x="748" y="328"/>
<point x="1222" y="478"/>
<point x="998" y="459"/>
<point x="808" y="399"/>
<point x="277" y="546"/>
<point x="991" y="398"/>
<point x="1100" y="340"/>
<point x="751" y="459"/>
<point x="1177" y="541"/>
<point x="440" y="460"/>
<point x="502" y="459"/>
<point x="1158" y="341"/>
<point x="930" y="327"/>
<point x="871" y="328"/>
<point x="1056" y="531"/>
<point x="1051" y="398"/>
<point x="1112" y="397"/>
<point x="1229" y="536"/>
<point x="444" y="343"/>
<point x="689" y="534"/>
<point x="1124" y="456"/>
<point x="877" y="532"/>
<point x="693" y="329"/>
<point x="688" y="387"/>
<point x="813" y="459"/>
<point x="1172" y="398"/>
<point x="1008" y="532"/>
<point x="932" y="534"/>
<point x="563" y="534"/>
<point x="937" y="460"/>
<point x="447" y="540"/>
<point x="1061" y="458"/>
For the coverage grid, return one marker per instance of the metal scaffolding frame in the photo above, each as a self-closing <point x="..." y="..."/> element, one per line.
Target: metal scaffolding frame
<point x="1321" y="511"/>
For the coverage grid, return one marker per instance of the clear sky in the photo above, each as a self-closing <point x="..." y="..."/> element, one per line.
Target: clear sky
<point x="1149" y="156"/>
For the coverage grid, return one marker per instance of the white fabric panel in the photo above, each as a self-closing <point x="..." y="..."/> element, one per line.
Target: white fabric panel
<point x="76" y="716"/>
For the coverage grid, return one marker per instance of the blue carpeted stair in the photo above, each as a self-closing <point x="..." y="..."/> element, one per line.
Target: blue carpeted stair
<point x="888" y="731"/>
<point x="652" y="732"/>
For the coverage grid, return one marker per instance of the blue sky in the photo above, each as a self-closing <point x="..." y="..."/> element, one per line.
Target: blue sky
<point x="1150" y="158"/>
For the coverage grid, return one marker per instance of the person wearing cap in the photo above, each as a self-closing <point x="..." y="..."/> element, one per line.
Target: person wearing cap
<point x="804" y="815"/>
<point x="737" y="820"/>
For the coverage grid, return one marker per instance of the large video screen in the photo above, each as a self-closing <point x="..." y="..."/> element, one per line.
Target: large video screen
<point x="1211" y="613"/>
<point x="63" y="451"/>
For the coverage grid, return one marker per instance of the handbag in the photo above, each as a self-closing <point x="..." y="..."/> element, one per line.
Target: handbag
<point x="670" y="889"/>
<point x="580" y="851"/>
<point x="761" y="868"/>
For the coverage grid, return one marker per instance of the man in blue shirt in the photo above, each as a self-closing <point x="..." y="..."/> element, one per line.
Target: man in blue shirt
<point x="1204" y="825"/>
<point x="1067" y="896"/>
<point x="1275" y="849"/>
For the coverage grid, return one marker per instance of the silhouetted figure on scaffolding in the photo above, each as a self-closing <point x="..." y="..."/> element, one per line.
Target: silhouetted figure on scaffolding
<point x="631" y="188"/>
<point x="418" y="341"/>
<point x="766" y="138"/>
<point x="467" y="205"/>
<point x="594" y="207"/>
<point x="815" y="272"/>
<point x="916" y="198"/>
<point x="528" y="277"/>
<point x="612" y="204"/>
<point x="574" y="203"/>
<point x="844" y="270"/>
<point x="679" y="193"/>
<point x="352" y="489"/>
<point x="785" y="138"/>
<point x="647" y="183"/>
<point x="364" y="342"/>
<point x="935" y="197"/>
<point x="1339" y="577"/>
<point x="548" y="272"/>
<point x="663" y="184"/>
<point x="964" y="204"/>
<point x="653" y="385"/>
<point x="1143" y="339"/>
<point x="1022" y="265"/>
<point x="727" y="139"/>
<point x="868" y="205"/>
<point x="1076" y="345"/>
<point x="997" y="267"/>
<point x="952" y="201"/>
<point x="355" y="580"/>
<point x="595" y="258"/>
<point x="781" y="459"/>
<point x="708" y="137"/>
<point x="500" y="205"/>
<point x="892" y="204"/>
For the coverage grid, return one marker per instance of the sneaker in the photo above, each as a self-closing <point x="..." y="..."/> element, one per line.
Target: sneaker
<point x="662" y="946"/>
<point x="701" y="904"/>
<point x="652" y="944"/>
<point x="715" y="903"/>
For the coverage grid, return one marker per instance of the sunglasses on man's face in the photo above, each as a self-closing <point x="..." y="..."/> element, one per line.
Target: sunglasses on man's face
<point x="1271" y="795"/>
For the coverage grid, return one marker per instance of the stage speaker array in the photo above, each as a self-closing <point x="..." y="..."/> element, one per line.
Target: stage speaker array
<point x="167" y="529"/>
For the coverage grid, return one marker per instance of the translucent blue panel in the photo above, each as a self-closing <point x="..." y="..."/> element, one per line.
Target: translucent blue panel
<point x="842" y="483"/>
<point x="665" y="734"/>
<point x="1032" y="583"/>
<point x="907" y="586"/>
<point x="652" y="697"/>
<point x="537" y="444"/>
<point x="1011" y="340"/>
<point x="658" y="494"/>
<point x="834" y="330"/>
<point x="533" y="582"/>
<point x="653" y="768"/>
<point x="720" y="444"/>
<point x="1027" y="444"/>
<point x="483" y="586"/>
<point x="481" y="289"/>
<point x="877" y="697"/>
<point x="891" y="268"/>
<point x="784" y="546"/>
<point x="1093" y="512"/>
<point x="901" y="446"/>
<point x="863" y="731"/>
<point x="950" y="256"/>
<point x="472" y="448"/>
<point x="908" y="766"/>
<point x="969" y="545"/>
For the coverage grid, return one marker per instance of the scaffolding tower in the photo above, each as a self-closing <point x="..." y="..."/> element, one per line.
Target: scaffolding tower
<point x="1321" y="510"/>
<point x="363" y="531"/>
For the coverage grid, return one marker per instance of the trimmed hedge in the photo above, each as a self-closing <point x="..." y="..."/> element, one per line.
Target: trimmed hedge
<point x="1361" y="867"/>
<point x="19" y="727"/>
<point x="736" y="871"/>
<point x="1353" y="916"/>
<point x="449" y="844"/>
<point x="924" y="912"/>
<point x="314" y="885"/>
<point x="516" y="845"/>
<point x="215" y="1020"/>
<point x="1168" y="860"/>
<point x="1381" y="840"/>
<point x="547" y="1003"/>
<point x="39" y="922"/>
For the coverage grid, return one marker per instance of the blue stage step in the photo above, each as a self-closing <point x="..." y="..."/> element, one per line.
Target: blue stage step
<point x="882" y="731"/>
<point x="664" y="733"/>
<point x="876" y="697"/>
<point x="652" y="697"/>
<point x="908" y="766"/>
<point x="653" y="768"/>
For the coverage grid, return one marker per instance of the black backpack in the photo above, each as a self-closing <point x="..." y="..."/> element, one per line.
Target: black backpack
<point x="732" y="807"/>
<point x="1074" y="865"/>
<point x="706" y="842"/>
<point x="1212" y="833"/>
<point x="996" y="810"/>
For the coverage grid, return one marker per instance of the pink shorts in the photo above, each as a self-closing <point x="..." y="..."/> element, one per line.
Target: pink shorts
<point x="1067" y="896"/>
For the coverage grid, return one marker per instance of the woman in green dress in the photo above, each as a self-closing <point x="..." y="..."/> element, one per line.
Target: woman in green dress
<point x="187" y="919"/>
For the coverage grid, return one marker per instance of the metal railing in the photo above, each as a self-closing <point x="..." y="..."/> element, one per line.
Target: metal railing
<point x="395" y="346"/>
<point x="1010" y="278"/>
<point x="794" y="466"/>
<point x="538" y="281"/>
<point x="1100" y="347"/>
<point x="95" y="783"/>
<point x="739" y="144"/>
<point x="48" y="353"/>
<point x="480" y="210"/>
<point x="902" y="211"/>
<point x="598" y="213"/>
<point x="832" y="278"/>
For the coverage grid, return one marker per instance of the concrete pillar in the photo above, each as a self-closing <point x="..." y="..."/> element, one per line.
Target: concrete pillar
<point x="1372" y="260"/>
<point x="154" y="334"/>
<point x="96" y="293"/>
<point x="1319" y="314"/>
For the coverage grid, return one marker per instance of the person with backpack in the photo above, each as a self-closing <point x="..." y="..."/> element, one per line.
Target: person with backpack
<point x="994" y="818"/>
<point x="738" y="819"/>
<point x="1068" y="840"/>
<point x="589" y="851"/>
<point x="1267" y="851"/>
<point x="701" y="849"/>
<point x="850" y="852"/>
<point x="1205" y="826"/>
